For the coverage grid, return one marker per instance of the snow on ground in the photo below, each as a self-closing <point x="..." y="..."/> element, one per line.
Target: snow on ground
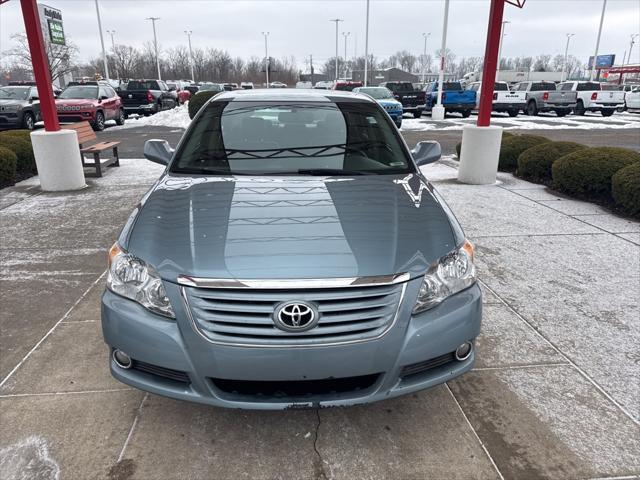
<point x="179" y="118"/>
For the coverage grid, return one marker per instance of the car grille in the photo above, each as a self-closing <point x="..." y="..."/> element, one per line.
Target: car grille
<point x="244" y="316"/>
<point x="175" y="375"/>
<point x="392" y="108"/>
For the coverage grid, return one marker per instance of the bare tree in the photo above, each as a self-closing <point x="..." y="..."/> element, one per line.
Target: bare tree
<point x="542" y="63"/>
<point x="61" y="58"/>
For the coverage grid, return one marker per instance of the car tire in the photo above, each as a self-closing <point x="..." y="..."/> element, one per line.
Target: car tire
<point x="532" y="109"/>
<point x="561" y="113"/>
<point x="579" y="109"/>
<point x="417" y="114"/>
<point x="98" y="123"/>
<point x="466" y="113"/>
<point x="121" y="117"/>
<point x="28" y="121"/>
<point x="513" y="113"/>
<point x="607" y="112"/>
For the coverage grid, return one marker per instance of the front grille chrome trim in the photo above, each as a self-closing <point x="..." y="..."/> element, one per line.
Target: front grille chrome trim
<point x="272" y="284"/>
<point x="320" y="344"/>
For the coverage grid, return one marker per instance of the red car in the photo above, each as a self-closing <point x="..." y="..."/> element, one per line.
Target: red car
<point x="346" y="85"/>
<point x="94" y="102"/>
<point x="182" y="94"/>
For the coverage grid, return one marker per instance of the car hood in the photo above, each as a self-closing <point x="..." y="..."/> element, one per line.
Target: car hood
<point x="290" y="227"/>
<point x="12" y="102"/>
<point x="76" y="101"/>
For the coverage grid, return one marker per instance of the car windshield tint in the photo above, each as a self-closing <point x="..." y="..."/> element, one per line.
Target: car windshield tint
<point x="377" y="93"/>
<point x="292" y="138"/>
<point x="540" y="86"/>
<point x="400" y="86"/>
<point x="451" y="86"/>
<point x="501" y="87"/>
<point x="85" y="92"/>
<point x="588" y="86"/>
<point x="14" y="93"/>
<point x="143" y="85"/>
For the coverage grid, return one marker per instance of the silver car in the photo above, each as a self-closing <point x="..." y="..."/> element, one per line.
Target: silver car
<point x="292" y="255"/>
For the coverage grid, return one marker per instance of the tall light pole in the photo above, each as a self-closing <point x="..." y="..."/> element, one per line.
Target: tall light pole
<point x="193" y="77"/>
<point x="595" y="55"/>
<point x="424" y="57"/>
<point x="104" y="52"/>
<point x="345" y="35"/>
<point x="155" y="43"/>
<point x="437" y="111"/>
<point x="366" y="47"/>
<point x="566" y="57"/>
<point x="337" y="20"/>
<point x="266" y="56"/>
<point x="113" y="47"/>
<point x="633" y="41"/>
<point x="500" y="48"/>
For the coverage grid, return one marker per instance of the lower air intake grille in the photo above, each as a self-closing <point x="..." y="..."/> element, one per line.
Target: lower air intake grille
<point x="427" y="364"/>
<point x="175" y="375"/>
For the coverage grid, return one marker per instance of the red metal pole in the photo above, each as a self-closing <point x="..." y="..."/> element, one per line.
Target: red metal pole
<point x="490" y="62"/>
<point x="40" y="64"/>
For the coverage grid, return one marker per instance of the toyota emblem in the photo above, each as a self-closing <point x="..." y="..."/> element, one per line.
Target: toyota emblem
<point x="295" y="316"/>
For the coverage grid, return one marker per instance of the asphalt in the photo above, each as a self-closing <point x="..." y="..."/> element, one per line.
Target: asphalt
<point x="554" y="394"/>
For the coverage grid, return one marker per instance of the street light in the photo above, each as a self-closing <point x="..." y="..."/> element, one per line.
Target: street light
<point x="193" y="77"/>
<point x="566" y="57"/>
<point x="595" y="55"/>
<point x="266" y="56"/>
<point x="155" y="43"/>
<point x="345" y="35"/>
<point x="113" y="48"/>
<point x="437" y="111"/>
<point x="500" y="47"/>
<point x="633" y="41"/>
<point x="337" y="20"/>
<point x="104" y="53"/>
<point x="424" y="57"/>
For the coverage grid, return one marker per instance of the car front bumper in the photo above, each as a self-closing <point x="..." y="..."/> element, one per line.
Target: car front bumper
<point x="144" y="108"/>
<point x="163" y="350"/>
<point x="10" y="119"/>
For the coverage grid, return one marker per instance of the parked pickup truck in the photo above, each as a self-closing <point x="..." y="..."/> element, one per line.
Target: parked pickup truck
<point x="412" y="100"/>
<point x="592" y="98"/>
<point x="544" y="97"/>
<point x="504" y="100"/>
<point x="454" y="98"/>
<point x="147" y="97"/>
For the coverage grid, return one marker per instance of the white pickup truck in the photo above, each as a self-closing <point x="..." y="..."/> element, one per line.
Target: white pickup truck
<point x="504" y="100"/>
<point x="592" y="98"/>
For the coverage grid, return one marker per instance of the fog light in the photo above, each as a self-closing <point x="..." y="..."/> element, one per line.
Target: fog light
<point x="463" y="351"/>
<point x="122" y="359"/>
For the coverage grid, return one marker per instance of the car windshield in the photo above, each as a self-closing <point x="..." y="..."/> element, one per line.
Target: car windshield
<point x="588" y="86"/>
<point x="400" y="86"/>
<point x="379" y="93"/>
<point x="541" y="86"/>
<point x="14" y="93"/>
<point x="80" y="92"/>
<point x="501" y="87"/>
<point x="143" y="85"/>
<point x="291" y="138"/>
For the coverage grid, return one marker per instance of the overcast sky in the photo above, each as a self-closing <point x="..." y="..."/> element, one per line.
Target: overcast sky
<point x="302" y="27"/>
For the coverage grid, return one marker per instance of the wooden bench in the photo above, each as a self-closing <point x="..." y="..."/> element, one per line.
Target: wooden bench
<point x="86" y="134"/>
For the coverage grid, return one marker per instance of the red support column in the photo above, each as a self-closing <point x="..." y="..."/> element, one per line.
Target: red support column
<point x="490" y="62"/>
<point x="40" y="64"/>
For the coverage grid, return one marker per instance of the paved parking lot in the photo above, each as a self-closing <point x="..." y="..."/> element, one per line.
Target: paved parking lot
<point x="554" y="393"/>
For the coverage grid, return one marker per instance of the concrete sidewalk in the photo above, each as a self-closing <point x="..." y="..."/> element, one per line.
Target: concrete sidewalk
<point x="554" y="393"/>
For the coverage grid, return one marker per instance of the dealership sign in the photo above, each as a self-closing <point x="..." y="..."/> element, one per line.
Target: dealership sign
<point x="602" y="61"/>
<point x="51" y="23"/>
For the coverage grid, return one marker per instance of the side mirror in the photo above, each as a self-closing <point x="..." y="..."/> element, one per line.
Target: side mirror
<point x="158" y="151"/>
<point x="33" y="99"/>
<point x="426" y="152"/>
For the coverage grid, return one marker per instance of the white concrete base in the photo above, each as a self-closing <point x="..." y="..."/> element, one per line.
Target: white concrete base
<point x="437" y="112"/>
<point x="58" y="160"/>
<point x="479" y="154"/>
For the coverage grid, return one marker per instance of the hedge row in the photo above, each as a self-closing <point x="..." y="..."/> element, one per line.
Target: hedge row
<point x="19" y="163"/>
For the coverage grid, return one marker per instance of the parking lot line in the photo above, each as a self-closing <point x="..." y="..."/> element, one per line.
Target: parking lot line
<point x="74" y="392"/>
<point x="132" y="429"/>
<point x="46" y="335"/>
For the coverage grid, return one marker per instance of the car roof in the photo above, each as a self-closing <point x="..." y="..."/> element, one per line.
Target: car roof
<point x="295" y="95"/>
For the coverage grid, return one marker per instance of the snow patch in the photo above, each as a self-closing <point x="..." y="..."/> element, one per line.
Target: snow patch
<point x="176" y="117"/>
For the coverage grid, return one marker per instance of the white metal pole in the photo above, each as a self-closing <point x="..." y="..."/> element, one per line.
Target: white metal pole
<point x="424" y="57"/>
<point x="633" y="38"/>
<point x="443" y="51"/>
<point x="595" y="55"/>
<point x="266" y="57"/>
<point x="113" y="48"/>
<point x="155" y="43"/>
<point x="504" y="24"/>
<point x="366" y="47"/>
<point x="337" y="20"/>
<point x="193" y="76"/>
<point x="566" y="57"/>
<point x="104" y="52"/>
<point x="344" y="61"/>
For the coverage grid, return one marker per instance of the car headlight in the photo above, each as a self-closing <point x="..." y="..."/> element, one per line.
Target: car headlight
<point x="449" y="275"/>
<point x="12" y="108"/>
<point x="133" y="278"/>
